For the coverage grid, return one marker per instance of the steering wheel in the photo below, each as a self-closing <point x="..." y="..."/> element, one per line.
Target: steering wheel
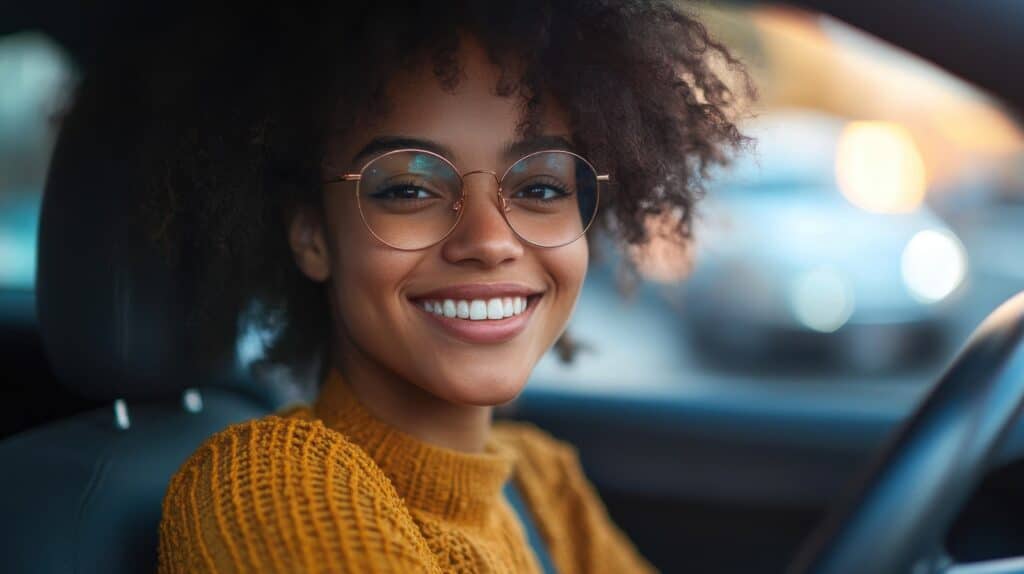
<point x="894" y="519"/>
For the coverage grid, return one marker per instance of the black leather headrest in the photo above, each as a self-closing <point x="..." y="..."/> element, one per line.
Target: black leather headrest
<point x="111" y="321"/>
<point x="112" y="312"/>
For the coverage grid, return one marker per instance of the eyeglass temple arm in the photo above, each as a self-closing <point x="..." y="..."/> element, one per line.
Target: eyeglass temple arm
<point x="343" y="177"/>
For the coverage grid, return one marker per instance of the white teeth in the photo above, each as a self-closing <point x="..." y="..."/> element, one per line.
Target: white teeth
<point x="495" y="309"/>
<point x="477" y="309"/>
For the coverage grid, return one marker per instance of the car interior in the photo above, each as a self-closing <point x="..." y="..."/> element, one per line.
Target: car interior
<point x="766" y="472"/>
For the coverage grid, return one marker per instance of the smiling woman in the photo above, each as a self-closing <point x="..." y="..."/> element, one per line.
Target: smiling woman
<point x="406" y="189"/>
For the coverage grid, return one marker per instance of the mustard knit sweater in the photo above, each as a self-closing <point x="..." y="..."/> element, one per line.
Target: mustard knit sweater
<point x="331" y="488"/>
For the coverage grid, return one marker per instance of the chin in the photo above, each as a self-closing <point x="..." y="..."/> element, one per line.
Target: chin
<point x="481" y="387"/>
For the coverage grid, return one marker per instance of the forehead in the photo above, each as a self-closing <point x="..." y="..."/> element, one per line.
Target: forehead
<point x="472" y="123"/>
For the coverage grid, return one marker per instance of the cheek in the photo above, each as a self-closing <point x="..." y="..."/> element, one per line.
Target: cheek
<point x="568" y="267"/>
<point x="365" y="275"/>
<point x="575" y="262"/>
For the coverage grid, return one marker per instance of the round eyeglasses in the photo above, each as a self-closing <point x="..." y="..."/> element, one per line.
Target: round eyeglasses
<point x="412" y="199"/>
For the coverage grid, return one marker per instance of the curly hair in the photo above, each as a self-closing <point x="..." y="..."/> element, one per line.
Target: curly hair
<point x="242" y="105"/>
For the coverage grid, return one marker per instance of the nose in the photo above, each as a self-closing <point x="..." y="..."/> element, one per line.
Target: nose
<point x="482" y="237"/>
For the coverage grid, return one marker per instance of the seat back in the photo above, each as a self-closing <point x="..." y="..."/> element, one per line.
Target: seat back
<point x="84" y="494"/>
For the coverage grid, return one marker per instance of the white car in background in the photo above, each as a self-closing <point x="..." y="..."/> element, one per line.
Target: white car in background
<point x="800" y="263"/>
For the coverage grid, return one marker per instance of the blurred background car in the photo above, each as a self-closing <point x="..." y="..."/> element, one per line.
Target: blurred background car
<point x="819" y="251"/>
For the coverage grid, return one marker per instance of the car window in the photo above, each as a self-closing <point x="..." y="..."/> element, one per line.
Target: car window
<point x="36" y="79"/>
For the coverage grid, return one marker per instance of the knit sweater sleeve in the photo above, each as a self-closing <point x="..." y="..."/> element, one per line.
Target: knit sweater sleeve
<point x="580" y="536"/>
<point x="285" y="495"/>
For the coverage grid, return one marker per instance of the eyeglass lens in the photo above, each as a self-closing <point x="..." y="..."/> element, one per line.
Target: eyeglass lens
<point x="412" y="199"/>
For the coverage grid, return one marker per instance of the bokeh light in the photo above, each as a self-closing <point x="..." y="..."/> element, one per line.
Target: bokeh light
<point x="879" y="168"/>
<point x="934" y="264"/>
<point x="821" y="299"/>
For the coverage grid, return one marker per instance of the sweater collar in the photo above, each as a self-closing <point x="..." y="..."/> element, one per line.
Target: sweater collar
<point x="454" y="485"/>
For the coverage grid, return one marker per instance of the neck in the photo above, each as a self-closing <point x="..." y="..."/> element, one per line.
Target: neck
<point x="410" y="408"/>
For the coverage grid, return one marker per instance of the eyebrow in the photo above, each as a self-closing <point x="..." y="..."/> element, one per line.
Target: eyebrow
<point x="511" y="150"/>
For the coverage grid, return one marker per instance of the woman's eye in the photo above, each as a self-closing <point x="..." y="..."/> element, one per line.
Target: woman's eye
<point x="540" y="192"/>
<point x="403" y="192"/>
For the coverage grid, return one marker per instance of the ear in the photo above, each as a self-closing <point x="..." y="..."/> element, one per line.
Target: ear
<point x="307" y="238"/>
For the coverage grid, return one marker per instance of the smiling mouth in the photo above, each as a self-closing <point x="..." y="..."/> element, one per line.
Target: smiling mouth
<point x="491" y="309"/>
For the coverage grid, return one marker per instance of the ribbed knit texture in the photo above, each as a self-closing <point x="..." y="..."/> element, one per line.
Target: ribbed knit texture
<point x="331" y="488"/>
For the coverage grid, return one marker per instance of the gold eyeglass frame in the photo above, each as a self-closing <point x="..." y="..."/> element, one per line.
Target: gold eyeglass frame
<point x="458" y="205"/>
